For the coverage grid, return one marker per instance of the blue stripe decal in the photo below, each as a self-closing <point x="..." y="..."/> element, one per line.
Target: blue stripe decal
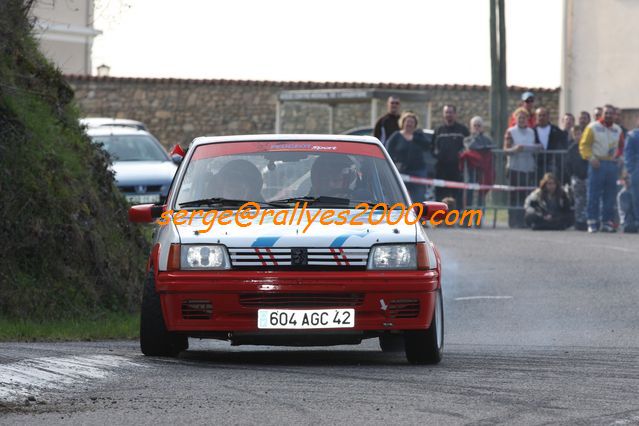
<point x="265" y="242"/>
<point x="339" y="241"/>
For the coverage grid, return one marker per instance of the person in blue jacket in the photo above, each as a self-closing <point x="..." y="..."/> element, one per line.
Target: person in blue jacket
<point x="631" y="160"/>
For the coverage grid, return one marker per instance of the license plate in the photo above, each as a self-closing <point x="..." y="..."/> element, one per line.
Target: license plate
<point x="305" y="319"/>
<point x="143" y="199"/>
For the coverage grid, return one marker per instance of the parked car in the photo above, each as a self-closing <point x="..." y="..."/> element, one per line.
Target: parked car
<point x="143" y="169"/>
<point x="93" y="122"/>
<point x="359" y="131"/>
<point x="293" y="282"/>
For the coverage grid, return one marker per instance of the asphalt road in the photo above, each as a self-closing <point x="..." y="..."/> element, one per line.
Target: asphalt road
<point x="540" y="328"/>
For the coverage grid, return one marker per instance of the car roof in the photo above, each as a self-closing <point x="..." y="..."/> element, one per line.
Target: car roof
<point x="115" y="130"/>
<point x="203" y="140"/>
<point x="106" y="121"/>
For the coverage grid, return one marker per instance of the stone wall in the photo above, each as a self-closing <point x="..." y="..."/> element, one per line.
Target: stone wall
<point x="178" y="110"/>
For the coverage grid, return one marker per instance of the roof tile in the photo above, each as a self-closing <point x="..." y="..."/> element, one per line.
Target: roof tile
<point x="304" y="84"/>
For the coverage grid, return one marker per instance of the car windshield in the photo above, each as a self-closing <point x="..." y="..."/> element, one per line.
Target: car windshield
<point x="326" y="173"/>
<point x="132" y="147"/>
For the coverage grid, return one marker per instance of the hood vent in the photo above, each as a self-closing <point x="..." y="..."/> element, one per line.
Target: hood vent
<point x="197" y="309"/>
<point x="404" y="308"/>
<point x="302" y="300"/>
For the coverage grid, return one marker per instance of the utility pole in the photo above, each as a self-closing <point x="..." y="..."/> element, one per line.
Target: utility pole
<point x="498" y="88"/>
<point x="494" y="73"/>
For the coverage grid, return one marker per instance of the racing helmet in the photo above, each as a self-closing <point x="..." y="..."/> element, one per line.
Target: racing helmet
<point x="239" y="179"/>
<point x="332" y="175"/>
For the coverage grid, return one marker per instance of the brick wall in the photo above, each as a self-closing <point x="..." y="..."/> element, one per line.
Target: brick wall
<point x="178" y="110"/>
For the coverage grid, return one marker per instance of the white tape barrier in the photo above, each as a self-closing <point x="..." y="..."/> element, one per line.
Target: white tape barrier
<point x="463" y="185"/>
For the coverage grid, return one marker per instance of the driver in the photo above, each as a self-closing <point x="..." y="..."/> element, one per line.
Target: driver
<point x="239" y="180"/>
<point x="332" y="176"/>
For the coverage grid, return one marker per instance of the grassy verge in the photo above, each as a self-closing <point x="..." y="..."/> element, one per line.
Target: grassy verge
<point x="108" y="326"/>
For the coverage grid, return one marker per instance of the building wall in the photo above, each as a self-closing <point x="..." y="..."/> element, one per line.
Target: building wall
<point x="176" y="110"/>
<point x="65" y="31"/>
<point x="600" y="54"/>
<point x="65" y="55"/>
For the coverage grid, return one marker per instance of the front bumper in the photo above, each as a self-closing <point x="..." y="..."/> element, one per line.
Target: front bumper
<point x="394" y="300"/>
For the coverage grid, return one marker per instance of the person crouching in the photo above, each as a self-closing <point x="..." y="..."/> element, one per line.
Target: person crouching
<point x="548" y="207"/>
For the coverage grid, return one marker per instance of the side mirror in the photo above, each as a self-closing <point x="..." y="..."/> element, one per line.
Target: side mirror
<point x="177" y="150"/>
<point x="432" y="207"/>
<point x="145" y="213"/>
<point x="177" y="159"/>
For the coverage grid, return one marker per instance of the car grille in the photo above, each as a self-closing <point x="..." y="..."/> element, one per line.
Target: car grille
<point x="299" y="257"/>
<point x="301" y="300"/>
<point x="404" y="308"/>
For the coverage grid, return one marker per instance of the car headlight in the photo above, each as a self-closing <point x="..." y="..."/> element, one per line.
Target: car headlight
<point x="211" y="256"/>
<point x="393" y="256"/>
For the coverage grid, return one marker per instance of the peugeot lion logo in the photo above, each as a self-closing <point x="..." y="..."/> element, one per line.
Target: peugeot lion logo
<point x="299" y="256"/>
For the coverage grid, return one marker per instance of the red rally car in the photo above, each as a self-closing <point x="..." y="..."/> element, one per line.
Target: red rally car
<point x="241" y="252"/>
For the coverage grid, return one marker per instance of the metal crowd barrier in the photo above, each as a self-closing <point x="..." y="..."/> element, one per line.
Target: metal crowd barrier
<point x="543" y="162"/>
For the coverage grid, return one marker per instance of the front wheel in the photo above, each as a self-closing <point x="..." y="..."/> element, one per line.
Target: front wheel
<point x="427" y="346"/>
<point x="155" y="340"/>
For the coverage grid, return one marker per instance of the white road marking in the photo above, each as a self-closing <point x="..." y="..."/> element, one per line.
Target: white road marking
<point x="483" y="297"/>
<point x="33" y="376"/>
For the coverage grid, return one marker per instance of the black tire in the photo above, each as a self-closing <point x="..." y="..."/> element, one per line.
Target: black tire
<point x="155" y="340"/>
<point x="427" y="346"/>
<point x="391" y="343"/>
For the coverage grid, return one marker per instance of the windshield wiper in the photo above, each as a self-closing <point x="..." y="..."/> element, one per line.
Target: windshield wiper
<point x="322" y="199"/>
<point x="218" y="201"/>
<point x="354" y="203"/>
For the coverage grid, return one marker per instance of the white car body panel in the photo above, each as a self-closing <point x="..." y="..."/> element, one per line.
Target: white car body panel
<point x="271" y="235"/>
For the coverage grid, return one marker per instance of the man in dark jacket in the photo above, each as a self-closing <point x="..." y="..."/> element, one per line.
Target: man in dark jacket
<point x="388" y="124"/>
<point x="448" y="145"/>
<point x="631" y="158"/>
<point x="552" y="138"/>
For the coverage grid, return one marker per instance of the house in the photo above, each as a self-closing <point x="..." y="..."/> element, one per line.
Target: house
<point x="600" y="57"/>
<point x="65" y="31"/>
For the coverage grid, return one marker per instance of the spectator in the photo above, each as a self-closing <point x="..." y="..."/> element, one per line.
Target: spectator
<point x="617" y="121"/>
<point x="629" y="220"/>
<point x="631" y="160"/>
<point x="388" y="124"/>
<point x="577" y="171"/>
<point x="551" y="138"/>
<point x="528" y="103"/>
<point x="406" y="148"/>
<point x="448" y="141"/>
<point x="477" y="160"/>
<point x="598" y="145"/>
<point x="548" y="207"/>
<point x="597" y="113"/>
<point x="519" y="146"/>
<point x="584" y="120"/>
<point x="567" y="123"/>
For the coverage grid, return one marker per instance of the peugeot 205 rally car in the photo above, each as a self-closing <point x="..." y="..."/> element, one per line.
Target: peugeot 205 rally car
<point x="241" y="252"/>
